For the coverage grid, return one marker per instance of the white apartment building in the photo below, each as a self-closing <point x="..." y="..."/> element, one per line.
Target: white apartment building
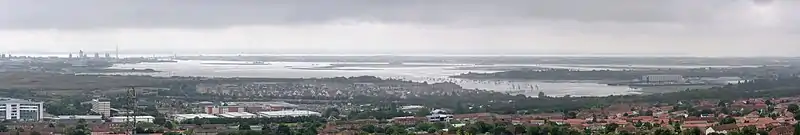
<point x="103" y="107"/>
<point x="22" y="110"/>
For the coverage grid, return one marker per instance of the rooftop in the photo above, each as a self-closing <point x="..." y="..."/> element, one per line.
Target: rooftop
<point x="196" y="115"/>
<point x="289" y="113"/>
<point x="409" y="107"/>
<point x="237" y="114"/>
<point x="75" y="117"/>
<point x="14" y="100"/>
<point x="137" y="117"/>
<point x="273" y="104"/>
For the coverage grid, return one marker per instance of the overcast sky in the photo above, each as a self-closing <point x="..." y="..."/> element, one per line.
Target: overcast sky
<point x="677" y="27"/>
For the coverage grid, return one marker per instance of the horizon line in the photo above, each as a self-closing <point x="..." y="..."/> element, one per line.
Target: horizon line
<point x="122" y="54"/>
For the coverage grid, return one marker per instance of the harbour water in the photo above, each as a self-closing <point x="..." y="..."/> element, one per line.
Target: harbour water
<point x="437" y="72"/>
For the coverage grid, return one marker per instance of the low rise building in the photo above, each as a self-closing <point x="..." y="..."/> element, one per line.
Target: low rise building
<point x="238" y="115"/>
<point x="221" y="109"/>
<point x="118" y="119"/>
<point x="252" y="107"/>
<point x="183" y="117"/>
<point x="288" y="113"/>
<point x="439" y="115"/>
<point x="77" y="118"/>
<point x="722" y="129"/>
<point x="264" y="106"/>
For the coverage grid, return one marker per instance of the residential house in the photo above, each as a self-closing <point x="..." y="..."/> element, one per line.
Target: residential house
<point x="407" y="120"/>
<point x="700" y="124"/>
<point x="722" y="129"/>
<point x="782" y="130"/>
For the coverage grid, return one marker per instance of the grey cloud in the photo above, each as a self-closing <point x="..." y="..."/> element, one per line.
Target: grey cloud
<point x="76" y="14"/>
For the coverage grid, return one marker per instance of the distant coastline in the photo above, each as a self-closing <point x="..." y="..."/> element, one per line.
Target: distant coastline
<point x="115" y="70"/>
<point x="327" y="68"/>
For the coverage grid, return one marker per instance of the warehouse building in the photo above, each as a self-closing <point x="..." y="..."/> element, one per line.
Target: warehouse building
<point x="183" y="117"/>
<point x="288" y="113"/>
<point x="238" y="115"/>
<point x="78" y="118"/>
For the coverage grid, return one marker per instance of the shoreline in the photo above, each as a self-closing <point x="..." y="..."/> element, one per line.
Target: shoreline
<point x="115" y="70"/>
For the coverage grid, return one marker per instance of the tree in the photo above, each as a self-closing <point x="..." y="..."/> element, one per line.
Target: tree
<point x="423" y="126"/>
<point x="283" y="130"/>
<point x="82" y="128"/>
<point x="422" y="113"/>
<point x="749" y="130"/>
<point x="395" y="130"/>
<point x="763" y="132"/>
<point x="727" y="120"/>
<point x="460" y="131"/>
<point x="368" y="128"/>
<point x="693" y="131"/>
<point x="189" y="132"/>
<point x="244" y="126"/>
<point x="542" y="95"/>
<point x="198" y="121"/>
<point x="533" y="130"/>
<point x="500" y="130"/>
<point x="4" y="128"/>
<point x="160" y="120"/>
<point x="625" y="133"/>
<point x="797" y="129"/>
<point x="172" y="133"/>
<point x="431" y="130"/>
<point x="472" y="130"/>
<point x="611" y="127"/>
<point x="662" y="131"/>
<point x="170" y="125"/>
<point x="518" y="129"/>
<point x="572" y="114"/>
<point x="797" y="116"/>
<point x="722" y="103"/>
<point x="330" y="112"/>
<point x="793" y="108"/>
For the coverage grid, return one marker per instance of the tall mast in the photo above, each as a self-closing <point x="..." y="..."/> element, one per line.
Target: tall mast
<point x="117" y="51"/>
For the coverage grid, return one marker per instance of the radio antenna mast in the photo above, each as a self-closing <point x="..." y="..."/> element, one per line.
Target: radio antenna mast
<point x="116" y="51"/>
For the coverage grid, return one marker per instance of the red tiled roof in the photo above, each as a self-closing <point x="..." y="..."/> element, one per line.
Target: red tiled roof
<point x="782" y="130"/>
<point x="701" y="126"/>
<point x="696" y="122"/>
